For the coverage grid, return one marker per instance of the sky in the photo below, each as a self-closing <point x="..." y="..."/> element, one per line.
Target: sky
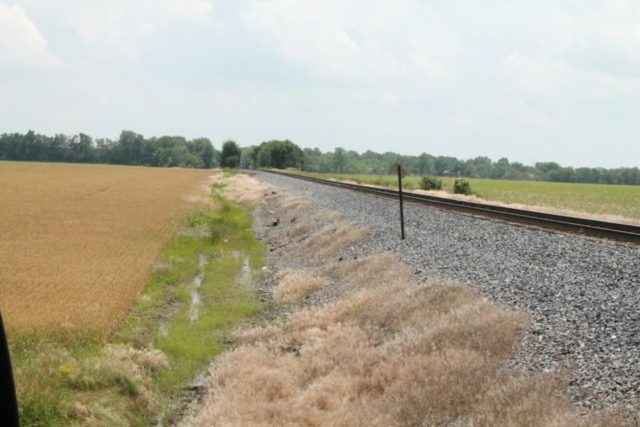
<point x="544" y="80"/>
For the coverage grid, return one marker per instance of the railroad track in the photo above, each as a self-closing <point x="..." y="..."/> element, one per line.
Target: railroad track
<point x="583" y="226"/>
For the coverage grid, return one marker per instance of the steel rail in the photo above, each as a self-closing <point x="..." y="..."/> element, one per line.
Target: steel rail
<point x="576" y="225"/>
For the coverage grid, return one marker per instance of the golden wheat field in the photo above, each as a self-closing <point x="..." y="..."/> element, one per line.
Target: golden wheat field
<point x="78" y="242"/>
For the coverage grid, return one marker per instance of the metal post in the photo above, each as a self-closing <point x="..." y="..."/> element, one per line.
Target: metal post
<point x="401" y="204"/>
<point x="8" y="400"/>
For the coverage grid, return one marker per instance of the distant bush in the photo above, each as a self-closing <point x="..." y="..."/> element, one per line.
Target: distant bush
<point x="462" y="186"/>
<point x="431" y="183"/>
<point x="229" y="172"/>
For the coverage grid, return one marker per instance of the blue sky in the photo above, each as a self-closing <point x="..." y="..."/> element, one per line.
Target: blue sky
<point x="528" y="80"/>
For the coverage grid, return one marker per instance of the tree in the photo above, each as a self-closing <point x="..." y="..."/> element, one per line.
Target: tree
<point x="501" y="169"/>
<point x="172" y="151"/>
<point x="280" y="155"/>
<point x="230" y="156"/>
<point x="248" y="157"/>
<point x="204" y="151"/>
<point x="82" y="149"/>
<point x="130" y="149"/>
<point x="339" y="159"/>
<point x="447" y="166"/>
<point x="426" y="164"/>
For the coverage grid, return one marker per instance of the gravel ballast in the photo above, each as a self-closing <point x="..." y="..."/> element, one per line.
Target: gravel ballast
<point x="581" y="293"/>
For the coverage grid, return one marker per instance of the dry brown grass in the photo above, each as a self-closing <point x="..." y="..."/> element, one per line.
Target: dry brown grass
<point x="293" y="203"/>
<point x="79" y="241"/>
<point x="246" y="190"/>
<point x="287" y="206"/>
<point x="386" y="268"/>
<point x="249" y="191"/>
<point x="296" y="284"/>
<point x="299" y="229"/>
<point x="332" y="238"/>
<point x="327" y="215"/>
<point x="389" y="352"/>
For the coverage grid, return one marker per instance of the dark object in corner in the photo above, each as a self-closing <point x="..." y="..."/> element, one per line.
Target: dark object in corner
<point x="8" y="400"/>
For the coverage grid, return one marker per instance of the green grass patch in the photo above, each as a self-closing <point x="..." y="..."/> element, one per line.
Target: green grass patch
<point x="190" y="339"/>
<point x="598" y="199"/>
<point x="199" y="291"/>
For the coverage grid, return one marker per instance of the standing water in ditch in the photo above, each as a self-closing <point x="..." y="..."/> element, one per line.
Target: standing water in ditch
<point x="196" y="299"/>
<point x="244" y="277"/>
<point x="194" y="309"/>
<point x="247" y="274"/>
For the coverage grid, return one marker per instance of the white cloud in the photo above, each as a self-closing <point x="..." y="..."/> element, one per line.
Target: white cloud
<point x="558" y="79"/>
<point x="533" y="117"/>
<point x="21" y="42"/>
<point x="426" y="65"/>
<point x="619" y="5"/>
<point x="622" y="26"/>
<point x="348" y="39"/>
<point x="119" y="28"/>
<point x="144" y="29"/>
<point x="535" y="74"/>
<point x="461" y="121"/>
<point x="188" y="9"/>
<point x="310" y="34"/>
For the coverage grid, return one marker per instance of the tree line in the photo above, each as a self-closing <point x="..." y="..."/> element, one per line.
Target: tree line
<point x="370" y="162"/>
<point x="169" y="151"/>
<point x="129" y="149"/>
<point x="132" y="148"/>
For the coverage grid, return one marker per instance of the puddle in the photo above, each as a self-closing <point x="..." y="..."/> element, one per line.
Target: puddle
<point x="194" y="309"/>
<point x="163" y="330"/>
<point x="172" y="309"/>
<point x="247" y="273"/>
<point x="245" y="276"/>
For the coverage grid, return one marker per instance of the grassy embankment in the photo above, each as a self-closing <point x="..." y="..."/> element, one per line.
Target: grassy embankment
<point x="167" y="339"/>
<point x="365" y="343"/>
<point x="597" y="199"/>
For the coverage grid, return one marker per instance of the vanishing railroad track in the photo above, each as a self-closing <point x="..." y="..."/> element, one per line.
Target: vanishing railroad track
<point x="583" y="226"/>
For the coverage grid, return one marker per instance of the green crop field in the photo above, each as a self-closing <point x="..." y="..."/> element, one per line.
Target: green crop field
<point x="595" y="199"/>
